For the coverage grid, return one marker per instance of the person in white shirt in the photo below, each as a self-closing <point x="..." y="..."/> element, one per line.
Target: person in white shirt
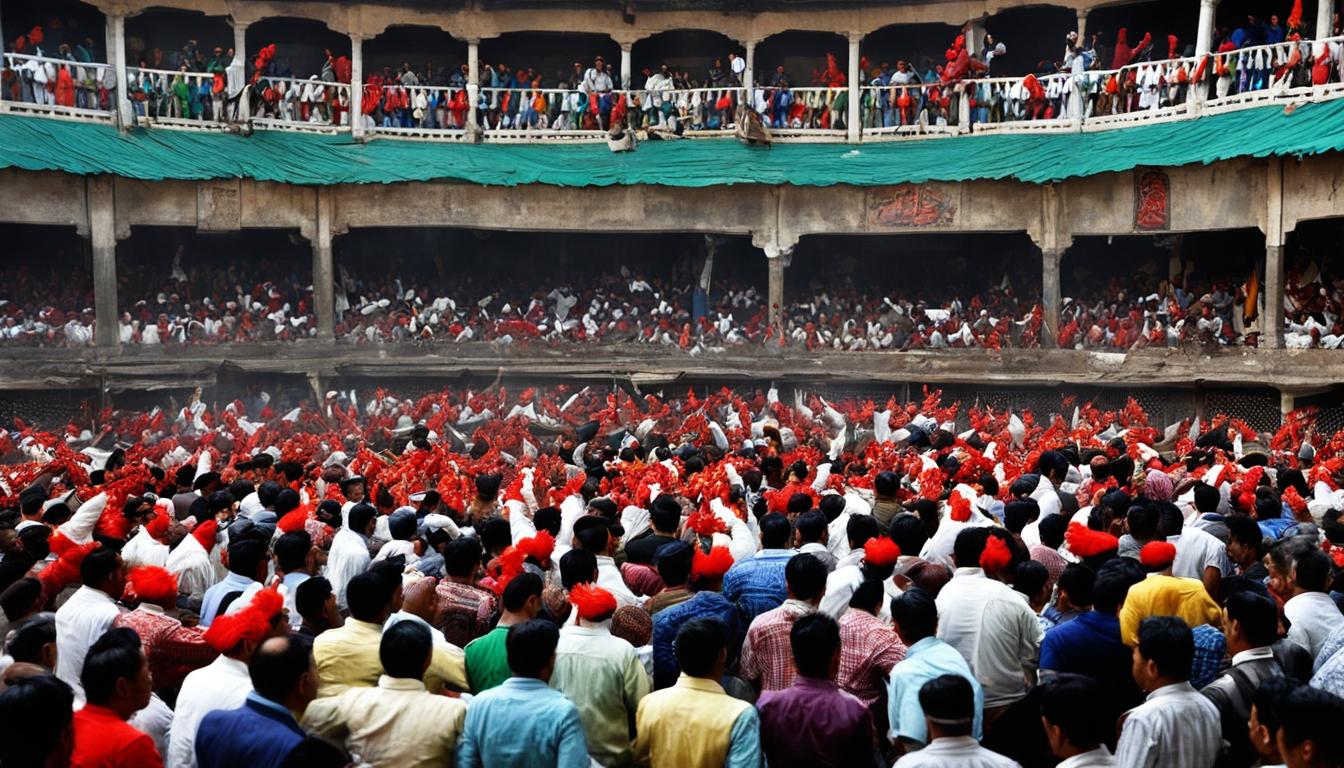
<point x="989" y="624"/>
<point x="848" y="572"/>
<point x="349" y="555"/>
<point x="1075" y="733"/>
<point x="1175" y="725"/>
<point x="1311" y="614"/>
<point x="591" y="534"/>
<point x="1201" y="555"/>
<point x="948" y="702"/>
<point x="88" y="613"/>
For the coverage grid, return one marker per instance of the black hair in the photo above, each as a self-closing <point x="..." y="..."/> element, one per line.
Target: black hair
<point x="989" y="485"/>
<point x="1207" y="497"/>
<point x="1170" y="519"/>
<point x="1257" y="614"/>
<point x="698" y="644"/>
<point x="547" y="519"/>
<point x="29" y="637"/>
<point x="495" y="533"/>
<point x="799" y="503"/>
<point x="98" y="566"/>
<point x="814" y="639"/>
<point x="36" y="541"/>
<point x="915" y="613"/>
<point x="908" y="533"/>
<point x="604" y="506"/>
<point x="577" y="567"/>
<point x="1167" y="642"/>
<point x="593" y="533"/>
<point x="868" y="595"/>
<point x="886" y="484"/>
<point x="1268" y="505"/>
<point x="1246" y="531"/>
<point x="1067" y="702"/>
<point x="673" y="561"/>
<point x="1030" y="577"/>
<point x="1142" y="522"/>
<point x="462" y="556"/>
<point x="776" y="530"/>
<point x="246" y="556"/>
<point x="287" y="501"/>
<point x="860" y="529"/>
<point x="519" y="589"/>
<point x="404" y="648"/>
<point x="311" y="595"/>
<point x="112" y="657"/>
<point x="969" y="545"/>
<point x="832" y="505"/>
<point x="291" y="550"/>
<point x="13" y="566"/>
<point x="1267" y="700"/>
<point x="1312" y="570"/>
<point x="950" y="699"/>
<point x="665" y="513"/>
<point x="1311" y="714"/>
<point x="1113" y="582"/>
<point x="806" y="576"/>
<point x="316" y="752"/>
<point x="40" y="708"/>
<point x="1019" y="512"/>
<point x="530" y="646"/>
<point x="361" y="515"/>
<point x="18" y="597"/>
<point x="1078" y="580"/>
<point x="267" y="493"/>
<point x="368" y="596"/>
<point x="811" y="525"/>
<point x="279" y="663"/>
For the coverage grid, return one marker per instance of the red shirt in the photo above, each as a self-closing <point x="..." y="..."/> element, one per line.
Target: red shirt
<point x="104" y="740"/>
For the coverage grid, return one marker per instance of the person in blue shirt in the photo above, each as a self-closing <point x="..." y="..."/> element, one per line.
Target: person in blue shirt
<point x="263" y="732"/>
<point x="756" y="584"/>
<point x="249" y="561"/>
<point x="523" y="722"/>
<point x="926" y="657"/>
<point x="707" y="575"/>
<point x="1090" y="644"/>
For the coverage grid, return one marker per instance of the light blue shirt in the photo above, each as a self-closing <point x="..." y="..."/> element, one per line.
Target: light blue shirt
<point x="214" y="595"/>
<point x="523" y="723"/>
<point x="744" y="741"/>
<point x="925" y="660"/>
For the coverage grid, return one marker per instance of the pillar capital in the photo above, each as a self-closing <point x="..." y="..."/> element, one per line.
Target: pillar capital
<point x="854" y="37"/>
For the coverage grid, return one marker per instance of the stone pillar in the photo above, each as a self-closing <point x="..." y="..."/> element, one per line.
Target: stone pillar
<point x="473" y="79"/>
<point x="356" y="87"/>
<point x="240" y="64"/>
<point x="1082" y="25"/>
<point x="1204" y="38"/>
<point x="1325" y="19"/>
<point x="975" y="37"/>
<point x="1287" y="402"/>
<point x="626" y="48"/>
<point x="324" y="272"/>
<point x="855" y="95"/>
<point x="1271" y="325"/>
<point x="103" y="238"/>
<point x="1050" y="296"/>
<point x="116" y="57"/>
<point x="749" y="76"/>
<point x="778" y="259"/>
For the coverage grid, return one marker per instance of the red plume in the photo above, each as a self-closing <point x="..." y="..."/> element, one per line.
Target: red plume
<point x="880" y="552"/>
<point x="151" y="584"/>
<point x="252" y="623"/>
<point x="712" y="565"/>
<point x="996" y="556"/>
<point x="961" y="508"/>
<point x="205" y="534"/>
<point x="593" y="602"/>
<point x="293" y="520"/>
<point x="1157" y="555"/>
<point x="1085" y="542"/>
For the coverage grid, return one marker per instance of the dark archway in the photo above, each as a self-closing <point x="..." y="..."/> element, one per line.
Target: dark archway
<point x="166" y="38"/>
<point x="431" y="52"/>
<point x="691" y="50"/>
<point x="301" y="45"/>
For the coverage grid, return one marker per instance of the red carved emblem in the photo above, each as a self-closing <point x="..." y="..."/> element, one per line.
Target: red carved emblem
<point x="1151" y="203"/>
<point x="911" y="205"/>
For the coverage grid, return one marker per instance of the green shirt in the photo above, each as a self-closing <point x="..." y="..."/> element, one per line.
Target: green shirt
<point x="488" y="660"/>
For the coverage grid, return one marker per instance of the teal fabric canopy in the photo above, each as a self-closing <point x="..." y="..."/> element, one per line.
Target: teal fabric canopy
<point x="41" y="144"/>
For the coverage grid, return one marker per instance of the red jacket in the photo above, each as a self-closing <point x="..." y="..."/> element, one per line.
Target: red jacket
<point x="103" y="740"/>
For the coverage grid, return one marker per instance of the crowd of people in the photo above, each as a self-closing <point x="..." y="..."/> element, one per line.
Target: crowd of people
<point x="498" y="578"/>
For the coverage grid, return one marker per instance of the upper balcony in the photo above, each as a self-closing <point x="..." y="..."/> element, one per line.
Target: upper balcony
<point x="802" y="71"/>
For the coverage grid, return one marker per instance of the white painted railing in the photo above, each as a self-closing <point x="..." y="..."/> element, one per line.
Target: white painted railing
<point x="38" y="85"/>
<point x="1144" y="92"/>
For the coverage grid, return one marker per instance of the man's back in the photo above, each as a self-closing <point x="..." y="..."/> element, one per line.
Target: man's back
<point x="704" y="605"/>
<point x="1160" y="595"/>
<point x="1232" y="693"/>
<point x="757" y="584"/>
<point x="993" y="629"/>
<point x="1174" y="726"/>
<point x="522" y="723"/>
<point x="689" y="725"/>
<point x="925" y="660"/>
<point x="603" y="677"/>
<point x="222" y="684"/>
<point x="397" y="723"/>
<point x="814" y="723"/>
<point x="255" y="735"/>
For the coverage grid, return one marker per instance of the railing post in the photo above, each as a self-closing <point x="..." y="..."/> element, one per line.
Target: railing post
<point x="102" y="213"/>
<point x="356" y="90"/>
<point x="473" y="80"/>
<point x="116" y="58"/>
<point x="1204" y="39"/>
<point x="854" y="96"/>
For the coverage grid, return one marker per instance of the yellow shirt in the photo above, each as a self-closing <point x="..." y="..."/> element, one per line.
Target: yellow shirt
<point x="396" y="723"/>
<point x="689" y="725"/>
<point x="347" y="657"/>
<point x="1160" y="595"/>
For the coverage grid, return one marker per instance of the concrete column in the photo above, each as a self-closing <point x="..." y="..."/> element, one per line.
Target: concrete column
<point x="116" y="57"/>
<point x="324" y="273"/>
<point x="626" y="48"/>
<point x="749" y="76"/>
<point x="1287" y="402"/>
<point x="1271" y="325"/>
<point x="473" y="79"/>
<point x="852" y="120"/>
<point x="778" y="259"/>
<point x="975" y="37"/>
<point x="356" y="88"/>
<point x="1082" y="25"/>
<point x="1325" y="19"/>
<point x="1204" y="38"/>
<point x="240" y="63"/>
<point x="102" y="213"/>
<point x="1050" y="296"/>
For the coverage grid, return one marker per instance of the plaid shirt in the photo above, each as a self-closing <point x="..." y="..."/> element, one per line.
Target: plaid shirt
<point x="463" y="612"/>
<point x="767" y="655"/>
<point x="172" y="649"/>
<point x="868" y="650"/>
<point x="1210" y="650"/>
<point x="756" y="584"/>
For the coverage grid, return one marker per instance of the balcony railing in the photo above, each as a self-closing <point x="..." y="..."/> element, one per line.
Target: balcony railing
<point x="1145" y="92"/>
<point x="57" y="88"/>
